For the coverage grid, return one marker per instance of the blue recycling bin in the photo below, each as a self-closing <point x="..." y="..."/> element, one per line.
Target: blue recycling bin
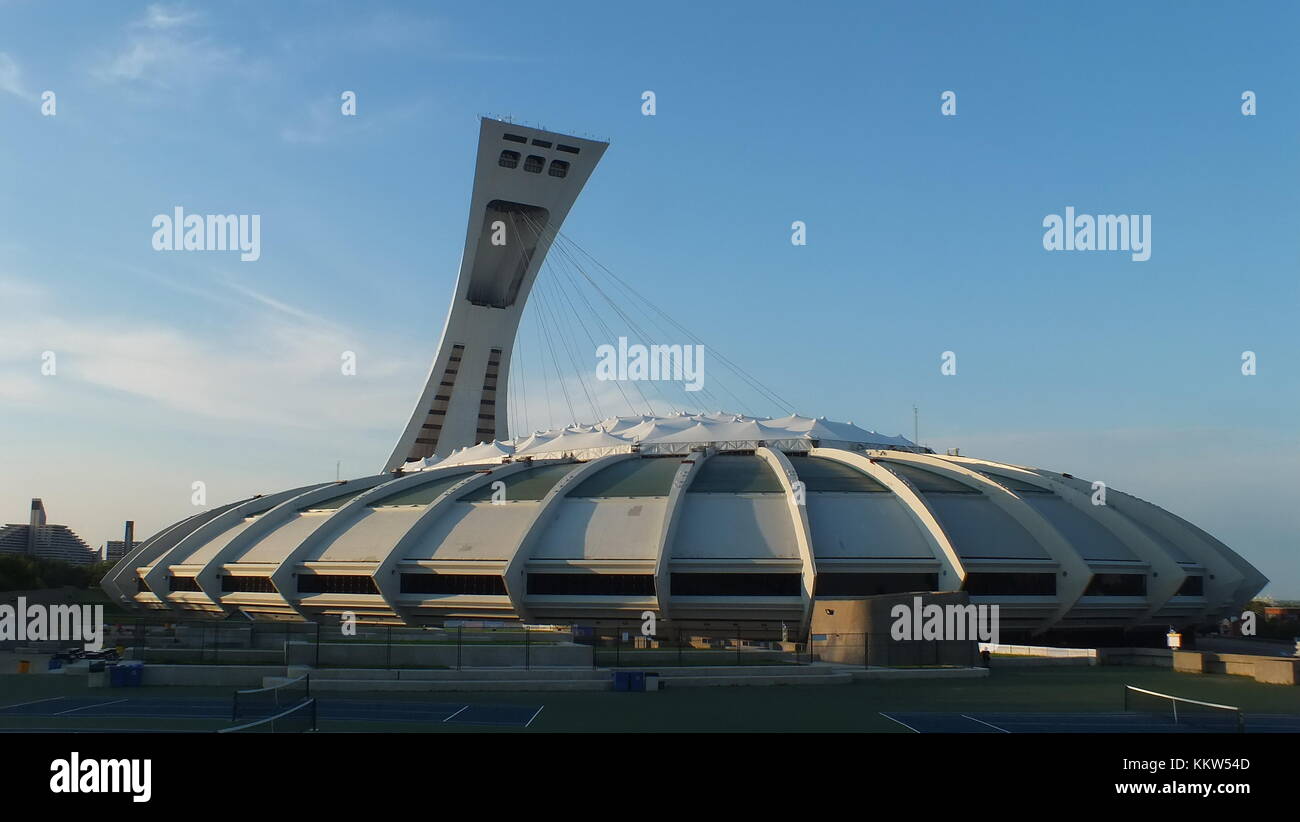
<point x="636" y="681"/>
<point x="56" y="663"/>
<point x="134" y="675"/>
<point x="116" y="676"/>
<point x="621" y="680"/>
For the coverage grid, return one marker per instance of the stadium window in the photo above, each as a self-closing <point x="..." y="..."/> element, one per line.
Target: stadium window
<point x="559" y="168"/>
<point x="515" y="138"/>
<point x="541" y="143"/>
<point x="1117" y="585"/>
<point x="861" y="585"/>
<point x="1192" y="587"/>
<point x="336" y="584"/>
<point x="247" y="585"/>
<point x="1021" y="585"/>
<point x="509" y="159"/>
<point x="569" y="149"/>
<point x="478" y="584"/>
<point x="533" y="164"/>
<point x="735" y="585"/>
<point x="183" y="584"/>
<point x="591" y="584"/>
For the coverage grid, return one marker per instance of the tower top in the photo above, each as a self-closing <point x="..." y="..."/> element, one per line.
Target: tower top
<point x="525" y="181"/>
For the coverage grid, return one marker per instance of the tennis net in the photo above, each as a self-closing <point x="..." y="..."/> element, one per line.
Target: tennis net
<point x="298" y="719"/>
<point x="1180" y="711"/>
<point x="260" y="703"/>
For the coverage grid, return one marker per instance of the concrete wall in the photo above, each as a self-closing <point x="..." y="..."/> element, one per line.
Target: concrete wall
<point x="1271" y="670"/>
<point x="857" y="631"/>
<point x="233" y="676"/>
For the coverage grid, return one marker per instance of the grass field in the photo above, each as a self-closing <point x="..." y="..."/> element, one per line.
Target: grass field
<point x="855" y="707"/>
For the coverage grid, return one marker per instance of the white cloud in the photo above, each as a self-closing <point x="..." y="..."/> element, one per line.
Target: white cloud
<point x="275" y="364"/>
<point x="11" y="77"/>
<point x="166" y="50"/>
<point x="161" y="16"/>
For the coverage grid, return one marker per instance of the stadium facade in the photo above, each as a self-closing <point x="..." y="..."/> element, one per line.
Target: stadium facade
<point x="701" y="519"/>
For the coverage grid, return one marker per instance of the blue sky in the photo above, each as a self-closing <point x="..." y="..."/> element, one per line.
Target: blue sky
<point x="924" y="231"/>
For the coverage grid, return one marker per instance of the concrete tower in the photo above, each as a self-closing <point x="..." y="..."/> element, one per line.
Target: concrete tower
<point x="525" y="182"/>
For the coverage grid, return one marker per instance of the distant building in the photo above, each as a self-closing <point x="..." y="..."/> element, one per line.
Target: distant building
<point x="1283" y="613"/>
<point x="39" y="539"/>
<point x="115" y="549"/>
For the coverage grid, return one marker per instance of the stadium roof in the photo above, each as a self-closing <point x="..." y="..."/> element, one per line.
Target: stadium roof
<point x="674" y="434"/>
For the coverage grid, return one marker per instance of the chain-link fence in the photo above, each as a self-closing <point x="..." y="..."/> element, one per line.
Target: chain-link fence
<point x="502" y="644"/>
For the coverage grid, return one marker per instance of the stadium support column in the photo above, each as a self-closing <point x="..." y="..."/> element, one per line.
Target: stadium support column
<point x="525" y="182"/>
<point x="795" y="499"/>
<point x="952" y="572"/>
<point x="686" y="472"/>
<point x="1073" y="572"/>
<point x="515" y="574"/>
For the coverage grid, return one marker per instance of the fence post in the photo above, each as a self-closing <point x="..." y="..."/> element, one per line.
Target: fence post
<point x="216" y="642"/>
<point x="459" y="641"/>
<point x="738" y="643"/>
<point x="527" y="650"/>
<point x="679" y="647"/>
<point x="388" y="647"/>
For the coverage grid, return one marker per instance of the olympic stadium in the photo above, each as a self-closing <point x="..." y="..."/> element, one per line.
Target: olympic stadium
<point x="697" y="517"/>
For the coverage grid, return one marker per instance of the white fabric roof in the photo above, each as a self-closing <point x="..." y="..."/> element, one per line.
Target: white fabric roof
<point x="674" y="434"/>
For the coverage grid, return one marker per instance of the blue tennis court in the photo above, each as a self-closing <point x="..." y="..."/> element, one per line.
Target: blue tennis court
<point x="1076" y="723"/>
<point x="330" y="709"/>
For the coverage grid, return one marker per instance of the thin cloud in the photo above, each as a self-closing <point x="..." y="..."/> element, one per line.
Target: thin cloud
<point x="166" y="49"/>
<point x="11" y="77"/>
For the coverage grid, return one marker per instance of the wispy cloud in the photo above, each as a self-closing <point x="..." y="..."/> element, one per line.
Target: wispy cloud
<point x="168" y="48"/>
<point x="276" y="364"/>
<point x="11" y="77"/>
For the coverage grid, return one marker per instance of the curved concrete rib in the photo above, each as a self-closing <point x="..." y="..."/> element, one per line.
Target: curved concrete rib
<point x="1075" y="572"/>
<point x="156" y="579"/>
<point x="914" y="504"/>
<point x="114" y="582"/>
<point x="209" y="576"/>
<point x="385" y="573"/>
<point x="515" y="574"/>
<point x="282" y="578"/>
<point x="1167" y="574"/>
<point x="1224" y="578"/>
<point x="796" y="503"/>
<point x="672" y="516"/>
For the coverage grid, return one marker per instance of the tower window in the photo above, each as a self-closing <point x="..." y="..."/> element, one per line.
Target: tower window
<point x="534" y="164"/>
<point x="542" y="143"/>
<point x="559" y="168"/>
<point x="569" y="149"/>
<point x="515" y="138"/>
<point x="509" y="159"/>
